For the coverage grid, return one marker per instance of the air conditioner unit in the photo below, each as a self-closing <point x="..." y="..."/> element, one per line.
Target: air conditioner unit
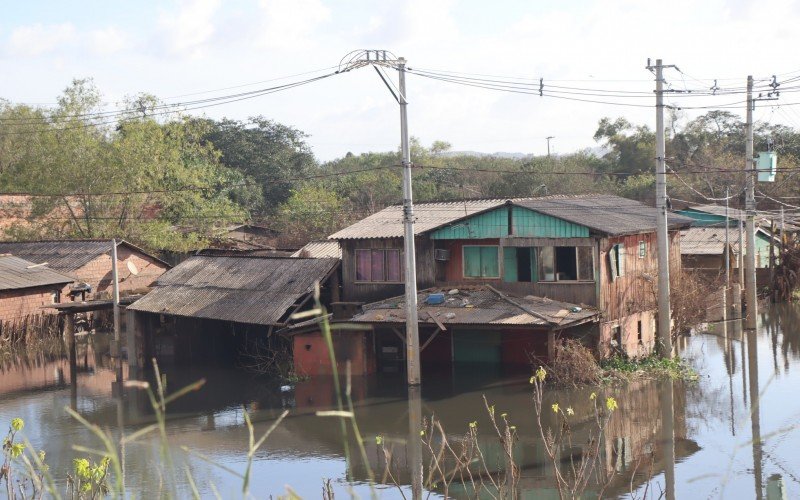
<point x="441" y="254"/>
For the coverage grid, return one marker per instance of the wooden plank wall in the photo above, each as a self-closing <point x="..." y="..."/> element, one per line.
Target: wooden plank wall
<point x="636" y="291"/>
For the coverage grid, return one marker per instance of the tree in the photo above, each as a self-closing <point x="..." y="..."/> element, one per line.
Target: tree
<point x="311" y="213"/>
<point x="275" y="156"/>
<point x="155" y="183"/>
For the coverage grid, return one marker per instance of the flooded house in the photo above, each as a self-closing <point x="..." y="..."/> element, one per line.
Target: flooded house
<point x="540" y="267"/>
<point x="226" y="308"/>
<point x="703" y="249"/>
<point x="25" y="287"/>
<point x="89" y="263"/>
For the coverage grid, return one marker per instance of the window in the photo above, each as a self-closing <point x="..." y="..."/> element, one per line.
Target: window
<point x="566" y="264"/>
<point x="55" y="297"/>
<point x="616" y="261"/>
<point x="381" y="265"/>
<point x="642" y="249"/>
<point x="481" y="262"/>
<point x="639" y="331"/>
<point x="519" y="264"/>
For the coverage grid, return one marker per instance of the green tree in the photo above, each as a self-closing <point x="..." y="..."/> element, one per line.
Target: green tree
<point x="155" y="183"/>
<point x="275" y="156"/>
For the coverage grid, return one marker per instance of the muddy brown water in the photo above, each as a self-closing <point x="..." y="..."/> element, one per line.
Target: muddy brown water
<point x="735" y="430"/>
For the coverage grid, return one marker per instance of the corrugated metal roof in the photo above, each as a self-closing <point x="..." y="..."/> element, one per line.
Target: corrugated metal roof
<point x="763" y="219"/>
<point x="320" y="250"/>
<point x="255" y="290"/>
<point x="613" y="215"/>
<point x="608" y="214"/>
<point x="707" y="240"/>
<point x="388" y="223"/>
<point x="479" y="305"/>
<point x="64" y="255"/>
<point x="17" y="273"/>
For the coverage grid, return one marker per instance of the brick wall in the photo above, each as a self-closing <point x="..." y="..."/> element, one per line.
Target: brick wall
<point x="98" y="272"/>
<point x="15" y="305"/>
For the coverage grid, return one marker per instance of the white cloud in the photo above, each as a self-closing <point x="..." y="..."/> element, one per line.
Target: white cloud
<point x="107" y="41"/>
<point x="291" y="24"/>
<point x="37" y="39"/>
<point x="188" y="30"/>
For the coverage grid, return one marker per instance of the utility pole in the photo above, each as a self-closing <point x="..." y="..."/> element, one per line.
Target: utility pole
<point x="412" y="322"/>
<point x="662" y="232"/>
<point x="548" y="144"/>
<point x="750" y="209"/>
<point x="115" y="277"/>
<point x="727" y="241"/>
<point x="740" y="259"/>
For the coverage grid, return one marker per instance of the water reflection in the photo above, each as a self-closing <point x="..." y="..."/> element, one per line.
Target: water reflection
<point x="710" y="439"/>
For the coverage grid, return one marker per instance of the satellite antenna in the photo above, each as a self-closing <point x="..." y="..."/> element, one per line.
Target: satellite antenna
<point x="132" y="268"/>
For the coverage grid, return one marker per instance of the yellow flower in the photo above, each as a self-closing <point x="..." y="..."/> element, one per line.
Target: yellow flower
<point x="17" y="424"/>
<point x="421" y="433"/>
<point x="503" y="415"/>
<point x="570" y="411"/>
<point x="611" y="404"/>
<point x="378" y="440"/>
<point x="554" y="407"/>
<point x="473" y="424"/>
<point x="593" y="396"/>
<point x="541" y="374"/>
<point x="491" y="410"/>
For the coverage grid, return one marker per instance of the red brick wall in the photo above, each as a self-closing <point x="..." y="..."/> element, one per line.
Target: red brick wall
<point x="98" y="272"/>
<point x="17" y="304"/>
<point x="311" y="355"/>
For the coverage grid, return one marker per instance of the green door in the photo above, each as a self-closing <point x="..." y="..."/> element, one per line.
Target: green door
<point x="477" y="346"/>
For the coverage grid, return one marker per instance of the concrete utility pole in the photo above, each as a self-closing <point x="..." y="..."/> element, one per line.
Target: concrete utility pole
<point x="751" y="298"/>
<point x="412" y="322"/>
<point x="548" y="144"/>
<point x="662" y="233"/>
<point x="727" y="241"/>
<point x="740" y="259"/>
<point x="115" y="277"/>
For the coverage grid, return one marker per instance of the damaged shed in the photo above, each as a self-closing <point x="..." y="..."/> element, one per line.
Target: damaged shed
<point x="217" y="308"/>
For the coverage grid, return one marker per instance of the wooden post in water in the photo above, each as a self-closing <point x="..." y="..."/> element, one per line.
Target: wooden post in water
<point x="69" y="333"/>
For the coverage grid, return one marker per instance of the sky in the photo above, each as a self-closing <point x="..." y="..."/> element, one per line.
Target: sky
<point x="177" y="49"/>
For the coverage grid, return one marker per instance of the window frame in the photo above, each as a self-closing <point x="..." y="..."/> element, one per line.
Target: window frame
<point x="555" y="265"/>
<point x="385" y="252"/>
<point x="642" y="249"/>
<point x="481" y="277"/>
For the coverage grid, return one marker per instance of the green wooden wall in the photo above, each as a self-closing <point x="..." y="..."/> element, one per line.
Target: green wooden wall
<point x="527" y="224"/>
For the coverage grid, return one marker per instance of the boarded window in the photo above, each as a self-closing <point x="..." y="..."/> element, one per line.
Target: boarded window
<point x="481" y="262"/>
<point x="381" y="265"/>
<point x="585" y="264"/>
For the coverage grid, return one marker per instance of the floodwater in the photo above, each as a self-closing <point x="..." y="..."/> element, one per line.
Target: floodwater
<point x="732" y="434"/>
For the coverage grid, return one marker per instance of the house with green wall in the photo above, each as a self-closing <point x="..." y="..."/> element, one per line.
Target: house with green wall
<point x="478" y="261"/>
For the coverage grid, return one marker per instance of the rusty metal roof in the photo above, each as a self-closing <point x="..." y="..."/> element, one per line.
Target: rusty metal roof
<point x="609" y="214"/>
<point x="388" y="223"/>
<point x="480" y="305"/>
<point x="65" y="255"/>
<point x="320" y="250"/>
<point x="17" y="273"/>
<point x="255" y="290"/>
